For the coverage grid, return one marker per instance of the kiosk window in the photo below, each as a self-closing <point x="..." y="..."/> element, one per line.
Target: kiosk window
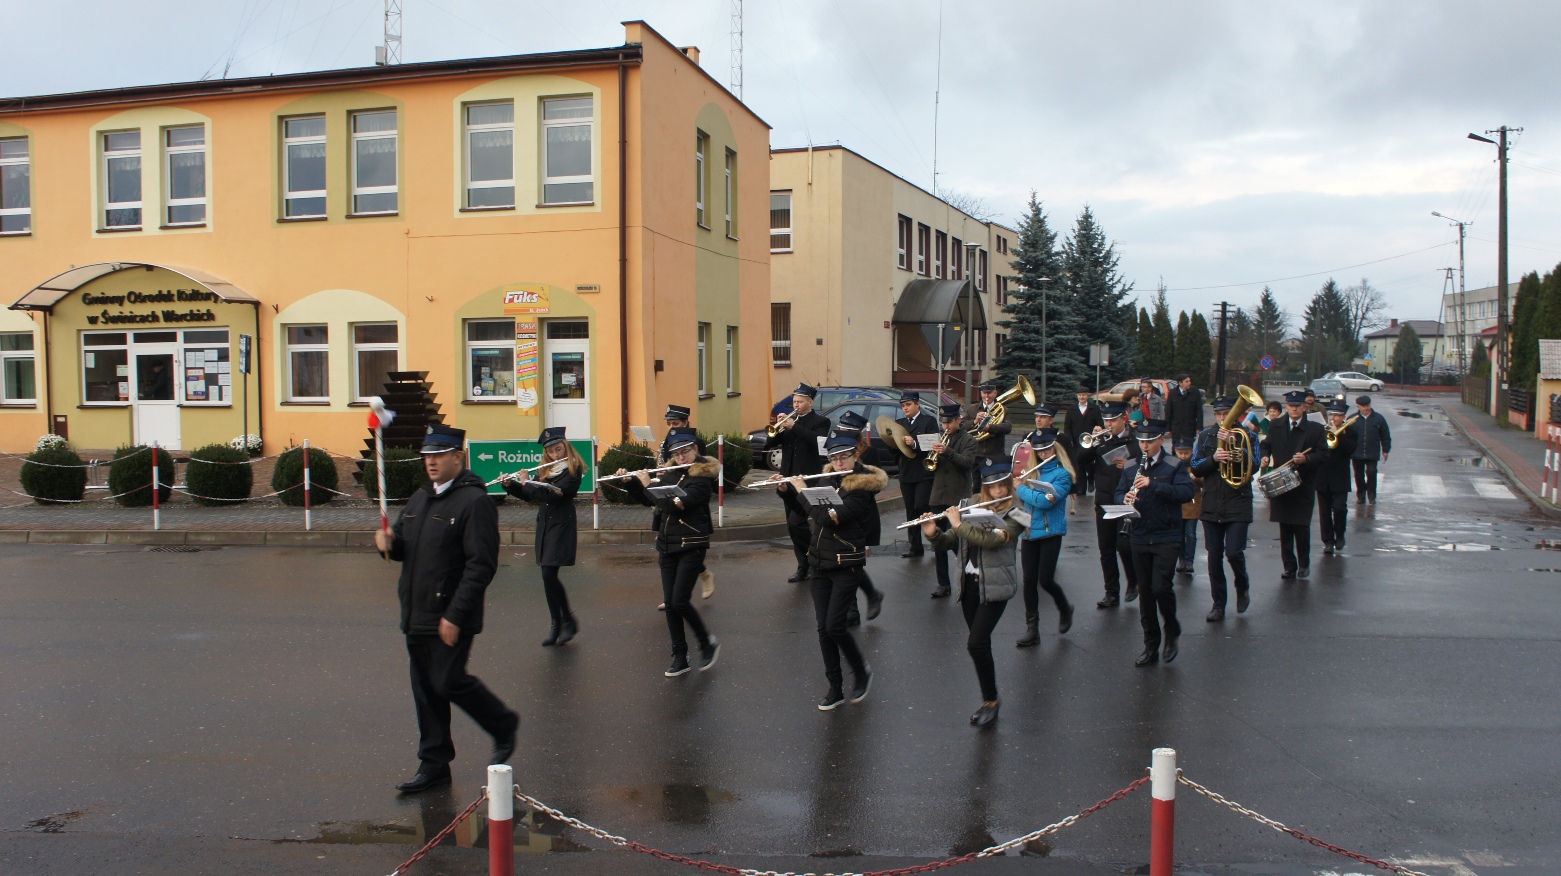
<point x="490" y="359"/>
<point x="105" y="368"/>
<point x="208" y="369"/>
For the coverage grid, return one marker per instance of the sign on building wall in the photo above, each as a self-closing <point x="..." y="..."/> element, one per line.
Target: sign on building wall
<point x="526" y="303"/>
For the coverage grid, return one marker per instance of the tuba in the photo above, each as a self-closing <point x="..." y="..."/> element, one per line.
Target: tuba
<point x="999" y="407"/>
<point x="1237" y="470"/>
<point x="1333" y="435"/>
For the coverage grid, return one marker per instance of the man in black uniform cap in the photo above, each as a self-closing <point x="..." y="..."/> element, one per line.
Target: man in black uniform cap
<point x="1157" y="486"/>
<point x="955" y="451"/>
<point x="994" y="448"/>
<point x="1227" y="510"/>
<point x="447" y="541"/>
<point x="798" y="439"/>
<point x="1294" y="439"/>
<point x="677" y="418"/>
<point x="854" y="426"/>
<point x="915" y="480"/>
<point x="1333" y="480"/>
<point x="1106" y="472"/>
<point x="1077" y="421"/>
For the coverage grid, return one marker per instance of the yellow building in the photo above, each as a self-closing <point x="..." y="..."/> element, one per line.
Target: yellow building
<point x="864" y="268"/>
<point x="556" y="239"/>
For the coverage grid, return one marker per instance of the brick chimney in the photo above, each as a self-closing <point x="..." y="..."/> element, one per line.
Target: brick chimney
<point x="691" y="51"/>
<point x="1393" y="323"/>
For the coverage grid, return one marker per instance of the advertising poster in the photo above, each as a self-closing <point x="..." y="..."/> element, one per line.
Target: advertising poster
<point x="527" y="303"/>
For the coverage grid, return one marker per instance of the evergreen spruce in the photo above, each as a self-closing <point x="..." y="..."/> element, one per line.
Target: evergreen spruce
<point x="1269" y="325"/>
<point x="1183" y="334"/>
<point x="1195" y="349"/>
<point x="1041" y="333"/>
<point x="1146" y="343"/>
<point x="1408" y="355"/>
<point x="1100" y="296"/>
<point x="1325" y="340"/>
<point x="1525" y="329"/>
<point x="1157" y="357"/>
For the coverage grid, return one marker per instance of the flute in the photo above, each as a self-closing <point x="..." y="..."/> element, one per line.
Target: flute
<point x="779" y="479"/>
<point x="510" y="475"/>
<point x="630" y="474"/>
<point x="930" y="517"/>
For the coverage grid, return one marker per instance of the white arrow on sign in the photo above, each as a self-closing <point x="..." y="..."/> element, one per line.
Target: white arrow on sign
<point x="484" y="456"/>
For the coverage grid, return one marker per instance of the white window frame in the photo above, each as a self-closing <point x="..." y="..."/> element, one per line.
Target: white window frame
<point x="778" y="344"/>
<point x="374" y="347"/>
<point x="84" y="349"/>
<point x="785" y="230"/>
<point x="704" y="361"/>
<point x="393" y="135"/>
<point x="23" y="160"/>
<point x="288" y="195"/>
<point x="701" y="146"/>
<point x="186" y="346"/>
<point x="940" y="247"/>
<point x="169" y="151"/>
<point x="116" y="154"/>
<point x="307" y="348"/>
<point x="731" y="360"/>
<point x="482" y="128"/>
<point x="904" y="244"/>
<point x="590" y="125"/>
<point x="30" y="355"/>
<point x="731" y="172"/>
<point x="508" y="342"/>
<point x="923" y="243"/>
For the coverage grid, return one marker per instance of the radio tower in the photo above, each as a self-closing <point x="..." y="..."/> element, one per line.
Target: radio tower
<point x="737" y="48"/>
<point x="390" y="52"/>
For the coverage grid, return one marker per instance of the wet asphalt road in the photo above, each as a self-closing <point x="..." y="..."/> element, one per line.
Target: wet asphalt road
<point x="246" y="710"/>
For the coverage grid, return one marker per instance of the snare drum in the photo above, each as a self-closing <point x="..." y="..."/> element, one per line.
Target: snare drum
<point x="1279" y="481"/>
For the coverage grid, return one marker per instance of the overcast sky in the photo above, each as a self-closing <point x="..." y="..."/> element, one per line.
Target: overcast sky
<point x="1221" y="144"/>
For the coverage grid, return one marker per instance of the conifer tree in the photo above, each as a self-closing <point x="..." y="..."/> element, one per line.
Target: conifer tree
<point x="1196" y="351"/>
<point x="1179" y="359"/>
<point x="1269" y="325"/>
<point x="1147" y="350"/>
<point x="1043" y="328"/>
<point x="1525" y="329"/>
<point x="1408" y="354"/>
<point x="1100" y="295"/>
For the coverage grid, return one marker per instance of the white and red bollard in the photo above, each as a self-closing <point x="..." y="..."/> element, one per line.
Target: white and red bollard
<point x="157" y="511"/>
<point x="720" y="480"/>
<point x="501" y="820"/>
<point x="308" y="512"/>
<point x="1552" y="466"/>
<point x="1162" y="817"/>
<point x="596" y="487"/>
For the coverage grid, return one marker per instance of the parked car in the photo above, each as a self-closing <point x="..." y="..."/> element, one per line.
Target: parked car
<point x="832" y="397"/>
<point x="1354" y="380"/>
<point x="870" y="408"/>
<point x="1329" y="389"/>
<point x="1115" y="393"/>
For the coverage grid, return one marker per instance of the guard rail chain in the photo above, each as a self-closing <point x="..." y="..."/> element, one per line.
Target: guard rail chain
<point x="439" y="837"/>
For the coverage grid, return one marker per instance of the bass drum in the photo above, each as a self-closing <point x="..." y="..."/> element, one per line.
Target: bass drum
<point x="1279" y="481"/>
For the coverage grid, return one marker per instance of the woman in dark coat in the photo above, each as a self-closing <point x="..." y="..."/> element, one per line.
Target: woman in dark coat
<point x="553" y="491"/>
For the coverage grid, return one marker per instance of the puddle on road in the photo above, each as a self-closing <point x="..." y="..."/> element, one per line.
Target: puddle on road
<point x="1419" y="416"/>
<point x="55" y="823"/>
<point x="1545" y="570"/>
<point x="1471" y="461"/>
<point x="1548" y="544"/>
<point x="534" y="833"/>
<point x="680" y="803"/>
<point x="1417" y="548"/>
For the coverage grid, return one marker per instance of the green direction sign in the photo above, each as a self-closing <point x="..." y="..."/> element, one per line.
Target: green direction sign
<point x="489" y="459"/>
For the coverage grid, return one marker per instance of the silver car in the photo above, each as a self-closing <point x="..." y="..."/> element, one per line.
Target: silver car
<point x="1354" y="380"/>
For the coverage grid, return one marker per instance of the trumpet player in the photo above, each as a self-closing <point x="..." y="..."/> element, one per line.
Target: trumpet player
<point x="1333" y="479"/>
<point x="1106" y="472"/>
<point x="953" y="456"/>
<point x="915" y="480"/>
<point x="1227" y="510"/>
<point x="1079" y="420"/>
<point x="1156" y="485"/>
<point x="798" y="438"/>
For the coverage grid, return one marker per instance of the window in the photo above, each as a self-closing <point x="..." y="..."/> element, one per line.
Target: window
<point x="105" y="368"/>
<point x="703" y="363"/>
<point x="303" y="167"/>
<point x="980" y="346"/>
<point x="375" y="353"/>
<point x="185" y="149"/>
<point x="1002" y="245"/>
<point x="18" y="369"/>
<point x="780" y="334"/>
<point x="701" y="144"/>
<point x="16" y="211"/>
<point x="780" y="221"/>
<point x="122" y="179"/>
<point x="956" y="259"/>
<point x="923" y="243"/>
<point x="731" y="189"/>
<point x="208" y="375"/>
<point x="981" y="273"/>
<point x="308" y="363"/>
<point x="940" y="255"/>
<point x="731" y="359"/>
<point x="490" y="155"/>
<point x="1002" y="291"/>
<point x="374" y="162"/>
<point x="566" y="131"/>
<point x="490" y="359"/>
<point x="903" y="256"/>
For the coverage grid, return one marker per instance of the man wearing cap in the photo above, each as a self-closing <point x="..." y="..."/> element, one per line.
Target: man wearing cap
<point x="1227" y="510"/>
<point x="915" y="480"/>
<point x="677" y="418"/>
<point x="1106" y="462"/>
<point x="1079" y="420"/>
<point x="1374" y="443"/>
<point x="853" y="425"/>
<point x="1157" y="486"/>
<point x="994" y="446"/>
<point x="447" y="541"/>
<point x="1296" y="440"/>
<point x="798" y="439"/>
<point x="1184" y="408"/>
<point x="1333" y="480"/>
<point x="955" y="452"/>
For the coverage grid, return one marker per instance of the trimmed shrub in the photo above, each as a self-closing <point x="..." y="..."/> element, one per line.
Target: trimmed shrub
<point x="132" y="468"/>
<point x="403" y="474"/>
<point x="738" y="457"/>
<point x="288" y="477"/>
<point x="630" y="455"/>
<point x="48" y="484"/>
<point x="219" y="474"/>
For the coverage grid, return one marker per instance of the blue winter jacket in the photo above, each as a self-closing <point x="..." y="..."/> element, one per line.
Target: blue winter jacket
<point x="1048" y="517"/>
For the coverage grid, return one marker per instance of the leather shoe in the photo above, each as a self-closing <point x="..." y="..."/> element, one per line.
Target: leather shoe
<point x="1287" y="574"/>
<point x="940" y="593"/>
<point x="1065" y="623"/>
<point x="1108" y="602"/>
<point x="1243" y="599"/>
<point x="1338" y="546"/>
<point x="1150" y="657"/>
<point x="1169" y="652"/>
<point x="984" y="715"/>
<point x="910" y="555"/>
<point x="798" y="577"/>
<point x="504" y="745"/>
<point x="568" y="630"/>
<point x="424" y="782"/>
<point x="1304" y="572"/>
<point x="1327" y="547"/>
<point x="874" y="605"/>
<point x="1215" y="615"/>
<point x="853" y="618"/>
<point x="1132" y="594"/>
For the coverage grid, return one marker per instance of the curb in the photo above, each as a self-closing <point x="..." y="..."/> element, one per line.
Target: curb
<point x="1501" y="465"/>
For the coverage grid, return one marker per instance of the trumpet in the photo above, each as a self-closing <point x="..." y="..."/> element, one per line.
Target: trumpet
<point x="1332" y="436"/>
<point x="536" y="468"/>
<point x="930" y="517"/>
<point x="630" y="474"/>
<point x="932" y="455"/>
<point x="775" y="428"/>
<point x="781" y="479"/>
<point x="1090" y="439"/>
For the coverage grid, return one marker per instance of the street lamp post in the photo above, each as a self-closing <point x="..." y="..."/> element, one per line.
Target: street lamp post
<point x="1501" y="266"/>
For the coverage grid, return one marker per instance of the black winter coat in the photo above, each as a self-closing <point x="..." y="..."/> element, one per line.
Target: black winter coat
<point x="1160" y="502"/>
<point x="799" y="445"/>
<point x="1222" y="503"/>
<point x="1375" y="437"/>
<point x="687" y="528"/>
<point x="840" y="542"/>
<point x="1335" y="475"/>
<point x="1105" y="474"/>
<point x="1075" y="424"/>
<point x="448" y="547"/>
<point x="1185" y="411"/>
<point x="557" y="525"/>
<point x="951" y="481"/>
<point x="1295" y="507"/>
<point x="913" y="469"/>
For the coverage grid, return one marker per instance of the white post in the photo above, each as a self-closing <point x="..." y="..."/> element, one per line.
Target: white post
<point x="501" y="820"/>
<point x="308" y="512"/>
<point x="157" y="513"/>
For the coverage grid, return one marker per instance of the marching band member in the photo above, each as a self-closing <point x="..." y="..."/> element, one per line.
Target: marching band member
<point x="1082" y="419"/>
<point x="554" y="496"/>
<point x="677" y="417"/>
<point x="1227" y="511"/>
<point x="1067" y="448"/>
<point x="798" y="439"/>
<point x="1295" y="439"/>
<point x="1156" y="486"/>
<point x="682" y="538"/>
<point x="987" y="582"/>
<point x="1333" y="480"/>
<point x="994" y="447"/>
<point x="1045" y="498"/>
<point x="836" y="561"/>
<point x="915" y="480"/>
<point x="854" y="425"/>
<point x="1113" y="548"/>
<point x="1191" y="510"/>
<point x="955" y="453"/>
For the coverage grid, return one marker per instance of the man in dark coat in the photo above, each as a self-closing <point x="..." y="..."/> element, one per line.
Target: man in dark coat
<point x="1373" y="444"/>
<point x="1333" y="480"/>
<point x="915" y="480"/>
<point x="798" y="439"/>
<point x="1157" y="485"/>
<point x="1106" y="471"/>
<point x="978" y="418"/>
<point x="678" y="418"/>
<point x="1227" y="510"/>
<point x="1299" y="441"/>
<point x="1184" y="408"/>
<point x="447" y="541"/>
<point x="1079" y="420"/>
<point x="956" y="456"/>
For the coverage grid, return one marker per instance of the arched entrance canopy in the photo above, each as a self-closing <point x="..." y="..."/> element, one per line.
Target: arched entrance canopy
<point x="50" y="292"/>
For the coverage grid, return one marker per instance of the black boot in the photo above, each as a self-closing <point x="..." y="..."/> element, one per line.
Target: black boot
<point x="552" y="634"/>
<point x="1032" y="631"/>
<point x="568" y="630"/>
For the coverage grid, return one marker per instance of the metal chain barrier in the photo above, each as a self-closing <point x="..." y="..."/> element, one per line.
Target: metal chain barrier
<point x="1261" y="819"/>
<point x="539" y="806"/>
<point x="439" y="837"/>
<point x="25" y="461"/>
<point x="74" y="501"/>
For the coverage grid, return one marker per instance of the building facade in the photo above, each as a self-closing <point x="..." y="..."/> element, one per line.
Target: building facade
<point x="555" y="239"/>
<point x="863" y="268"/>
<point x="1437" y="347"/>
<point x="1471" y="313"/>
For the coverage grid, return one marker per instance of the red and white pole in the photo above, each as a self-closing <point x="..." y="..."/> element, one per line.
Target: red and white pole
<point x="720" y="481"/>
<point x="501" y="820"/>
<point x="596" y="487"/>
<point x="1162" y="819"/>
<point x="157" y="513"/>
<point x="308" y="515"/>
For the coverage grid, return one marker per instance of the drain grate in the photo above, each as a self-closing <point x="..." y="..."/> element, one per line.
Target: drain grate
<point x="174" y="549"/>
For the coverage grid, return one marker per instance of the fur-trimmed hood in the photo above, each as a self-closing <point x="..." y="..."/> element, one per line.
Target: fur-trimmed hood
<point x="870" y="479"/>
<point x="705" y="467"/>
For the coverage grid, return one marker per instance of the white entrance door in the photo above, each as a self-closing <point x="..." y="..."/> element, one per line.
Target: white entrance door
<point x="155" y="396"/>
<point x="566" y="376"/>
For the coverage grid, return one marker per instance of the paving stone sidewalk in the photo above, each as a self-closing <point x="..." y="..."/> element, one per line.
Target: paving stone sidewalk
<point x="1517" y="453"/>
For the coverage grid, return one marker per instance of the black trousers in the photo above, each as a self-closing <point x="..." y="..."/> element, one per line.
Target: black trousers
<point x="1333" y="512"/>
<point x="916" y="495"/>
<point x="1039" y="560"/>
<point x="980" y="619"/>
<point x="557" y="599"/>
<point x="834" y="592"/>
<point x="679" y="574"/>
<point x="1365" y="478"/>
<point x="797" y="527"/>
<point x="1295" y="545"/>
<point x="940" y="557"/>
<point x="439" y="678"/>
<point x="1112" y="548"/>
<point x="1156" y="567"/>
<point x="1226" y="542"/>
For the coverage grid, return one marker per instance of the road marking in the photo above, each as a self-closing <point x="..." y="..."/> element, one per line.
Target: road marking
<point x="1493" y="490"/>
<point x="1429" y="485"/>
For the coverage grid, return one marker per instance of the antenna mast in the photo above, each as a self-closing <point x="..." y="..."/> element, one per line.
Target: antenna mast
<point x="737" y="48"/>
<point x="390" y="53"/>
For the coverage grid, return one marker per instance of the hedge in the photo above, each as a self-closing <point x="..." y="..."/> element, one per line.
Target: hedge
<point x="219" y="474"/>
<point x="130" y="474"/>
<point x="403" y="474"/>
<point x="630" y="455"/>
<point x="48" y="484"/>
<point x="739" y="457"/>
<point x="288" y="477"/>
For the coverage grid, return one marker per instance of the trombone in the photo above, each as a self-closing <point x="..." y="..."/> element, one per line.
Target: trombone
<point x="630" y="474"/>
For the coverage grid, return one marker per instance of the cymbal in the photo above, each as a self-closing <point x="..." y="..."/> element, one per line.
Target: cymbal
<point x="894" y="434"/>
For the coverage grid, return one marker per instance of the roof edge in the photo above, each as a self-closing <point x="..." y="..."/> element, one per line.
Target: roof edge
<point x="847" y="149"/>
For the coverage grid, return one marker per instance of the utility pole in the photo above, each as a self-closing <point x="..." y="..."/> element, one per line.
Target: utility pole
<point x="1219" y="360"/>
<point x="389" y="54"/>
<point x="737" y="48"/>
<point x="1463" y="358"/>
<point x="1501" y="266"/>
<point x="937" y="90"/>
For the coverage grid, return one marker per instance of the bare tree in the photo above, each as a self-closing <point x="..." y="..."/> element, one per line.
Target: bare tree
<point x="971" y="205"/>
<point x="1364" y="306"/>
